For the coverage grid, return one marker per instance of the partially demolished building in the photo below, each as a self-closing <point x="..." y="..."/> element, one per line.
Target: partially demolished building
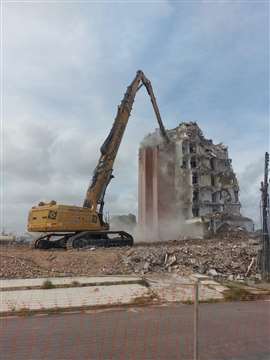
<point x="186" y="187"/>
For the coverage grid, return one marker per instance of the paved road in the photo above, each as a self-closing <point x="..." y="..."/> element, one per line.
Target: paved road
<point x="235" y="331"/>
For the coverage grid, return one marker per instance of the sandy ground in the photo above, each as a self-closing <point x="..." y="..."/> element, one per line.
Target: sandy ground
<point x="24" y="262"/>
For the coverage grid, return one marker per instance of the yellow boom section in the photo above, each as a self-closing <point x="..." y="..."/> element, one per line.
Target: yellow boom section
<point x="103" y="171"/>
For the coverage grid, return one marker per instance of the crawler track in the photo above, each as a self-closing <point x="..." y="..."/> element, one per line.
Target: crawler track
<point x="84" y="239"/>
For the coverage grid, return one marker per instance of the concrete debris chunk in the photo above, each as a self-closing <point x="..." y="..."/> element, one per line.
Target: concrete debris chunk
<point x="171" y="260"/>
<point x="212" y="272"/>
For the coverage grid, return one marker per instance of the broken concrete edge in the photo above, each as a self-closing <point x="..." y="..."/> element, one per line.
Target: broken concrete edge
<point x="142" y="282"/>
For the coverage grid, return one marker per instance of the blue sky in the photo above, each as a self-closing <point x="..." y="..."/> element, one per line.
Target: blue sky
<point x="66" y="66"/>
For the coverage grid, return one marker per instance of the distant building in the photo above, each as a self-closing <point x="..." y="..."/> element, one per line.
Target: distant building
<point x="6" y="239"/>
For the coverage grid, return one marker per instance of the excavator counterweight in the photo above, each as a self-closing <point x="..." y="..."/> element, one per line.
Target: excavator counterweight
<point x="68" y="226"/>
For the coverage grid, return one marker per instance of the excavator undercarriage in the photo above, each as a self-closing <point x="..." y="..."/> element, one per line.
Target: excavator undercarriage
<point x="83" y="239"/>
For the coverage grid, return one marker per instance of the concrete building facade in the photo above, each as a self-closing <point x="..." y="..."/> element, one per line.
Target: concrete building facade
<point x="183" y="183"/>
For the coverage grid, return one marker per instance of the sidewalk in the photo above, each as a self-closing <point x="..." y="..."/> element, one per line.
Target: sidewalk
<point x="21" y="295"/>
<point x="81" y="292"/>
<point x="78" y="293"/>
<point x="175" y="288"/>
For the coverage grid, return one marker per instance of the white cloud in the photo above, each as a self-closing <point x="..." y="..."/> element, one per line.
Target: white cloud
<point x="250" y="182"/>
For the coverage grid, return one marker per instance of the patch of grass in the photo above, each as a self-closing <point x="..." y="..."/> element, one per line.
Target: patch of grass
<point x="210" y="301"/>
<point x="142" y="300"/>
<point x="24" y="311"/>
<point x="28" y="312"/>
<point x="187" y="302"/>
<point x="206" y="301"/>
<point x="47" y="284"/>
<point x="237" y="293"/>
<point x="146" y="299"/>
<point x="55" y="310"/>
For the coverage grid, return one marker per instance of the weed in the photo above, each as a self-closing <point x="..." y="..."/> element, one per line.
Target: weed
<point x="143" y="282"/>
<point x="55" y="310"/>
<point x="187" y="302"/>
<point x="24" y="311"/>
<point x="206" y="301"/>
<point x="210" y="301"/>
<point x="47" y="284"/>
<point x="236" y="293"/>
<point x="142" y="300"/>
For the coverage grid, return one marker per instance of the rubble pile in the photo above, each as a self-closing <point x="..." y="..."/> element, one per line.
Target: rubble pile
<point x="230" y="255"/>
<point x="227" y="232"/>
<point x="222" y="258"/>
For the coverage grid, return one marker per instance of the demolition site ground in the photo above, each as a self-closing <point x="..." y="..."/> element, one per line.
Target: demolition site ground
<point x="231" y="256"/>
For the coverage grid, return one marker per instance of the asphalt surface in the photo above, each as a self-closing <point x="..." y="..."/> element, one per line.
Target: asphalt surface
<point x="235" y="331"/>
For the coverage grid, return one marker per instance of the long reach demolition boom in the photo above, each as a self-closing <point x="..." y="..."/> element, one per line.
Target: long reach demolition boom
<point x="68" y="226"/>
<point x="103" y="172"/>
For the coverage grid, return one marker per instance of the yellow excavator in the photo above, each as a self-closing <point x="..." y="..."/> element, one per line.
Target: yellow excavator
<point x="65" y="226"/>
